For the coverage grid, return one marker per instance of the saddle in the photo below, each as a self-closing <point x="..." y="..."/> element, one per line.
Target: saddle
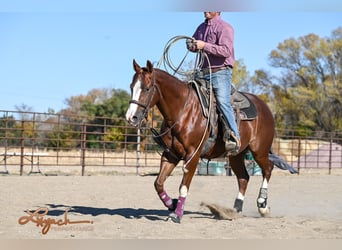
<point x="242" y="105"/>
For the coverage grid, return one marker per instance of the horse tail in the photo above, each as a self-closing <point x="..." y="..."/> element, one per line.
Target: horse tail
<point x="280" y="163"/>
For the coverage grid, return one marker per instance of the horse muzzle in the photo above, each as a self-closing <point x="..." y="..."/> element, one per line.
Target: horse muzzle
<point x="134" y="121"/>
<point x="135" y="117"/>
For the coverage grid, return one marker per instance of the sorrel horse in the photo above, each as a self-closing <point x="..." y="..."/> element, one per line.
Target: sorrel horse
<point x="183" y="128"/>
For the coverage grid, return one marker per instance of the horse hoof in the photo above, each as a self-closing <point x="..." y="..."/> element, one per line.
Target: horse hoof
<point x="264" y="211"/>
<point x="174" y="205"/>
<point x="175" y="218"/>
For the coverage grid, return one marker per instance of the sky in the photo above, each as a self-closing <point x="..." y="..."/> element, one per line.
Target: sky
<point x="49" y="52"/>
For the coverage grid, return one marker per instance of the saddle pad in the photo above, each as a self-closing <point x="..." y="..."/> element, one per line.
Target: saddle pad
<point x="247" y="112"/>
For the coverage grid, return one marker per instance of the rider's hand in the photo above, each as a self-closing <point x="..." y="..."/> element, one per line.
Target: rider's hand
<point x="190" y="45"/>
<point x="199" y="44"/>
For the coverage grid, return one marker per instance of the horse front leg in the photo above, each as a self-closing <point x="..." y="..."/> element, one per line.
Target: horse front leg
<point x="166" y="168"/>
<point x="238" y="166"/>
<point x="188" y="174"/>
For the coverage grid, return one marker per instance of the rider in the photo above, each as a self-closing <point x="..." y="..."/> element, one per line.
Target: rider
<point x="215" y="37"/>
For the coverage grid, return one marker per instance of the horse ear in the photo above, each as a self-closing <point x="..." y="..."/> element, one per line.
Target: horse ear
<point x="136" y="66"/>
<point x="149" y="66"/>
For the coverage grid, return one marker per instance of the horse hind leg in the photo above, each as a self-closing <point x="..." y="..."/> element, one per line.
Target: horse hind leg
<point x="263" y="208"/>
<point x="267" y="168"/>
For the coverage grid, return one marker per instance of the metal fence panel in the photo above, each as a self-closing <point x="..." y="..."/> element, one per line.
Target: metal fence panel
<point x="29" y="140"/>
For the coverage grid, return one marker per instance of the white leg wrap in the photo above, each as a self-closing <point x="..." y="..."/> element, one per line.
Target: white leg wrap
<point x="264" y="183"/>
<point x="264" y="186"/>
<point x="240" y="196"/>
<point x="183" y="192"/>
<point x="264" y="210"/>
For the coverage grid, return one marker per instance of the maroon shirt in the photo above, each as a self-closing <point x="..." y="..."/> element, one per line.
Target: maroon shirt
<point x="219" y="38"/>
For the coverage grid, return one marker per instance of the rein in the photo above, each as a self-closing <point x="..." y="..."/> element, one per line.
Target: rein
<point x="158" y="137"/>
<point x="200" y="57"/>
<point x="205" y="130"/>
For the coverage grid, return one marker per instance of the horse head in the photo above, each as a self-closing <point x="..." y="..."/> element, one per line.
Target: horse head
<point x="142" y="94"/>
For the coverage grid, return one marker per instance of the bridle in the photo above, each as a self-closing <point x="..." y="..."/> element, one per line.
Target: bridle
<point x="146" y="106"/>
<point x="158" y="137"/>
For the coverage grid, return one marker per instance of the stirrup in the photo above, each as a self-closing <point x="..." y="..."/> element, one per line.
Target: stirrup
<point x="236" y="139"/>
<point x="231" y="146"/>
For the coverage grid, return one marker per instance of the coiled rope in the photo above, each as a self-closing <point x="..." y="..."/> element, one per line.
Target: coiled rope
<point x="168" y="63"/>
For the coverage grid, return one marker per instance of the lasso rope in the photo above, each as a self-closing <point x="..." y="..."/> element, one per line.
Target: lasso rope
<point x="168" y="63"/>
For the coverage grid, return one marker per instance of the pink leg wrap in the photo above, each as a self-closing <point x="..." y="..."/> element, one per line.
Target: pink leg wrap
<point x="180" y="206"/>
<point x="166" y="199"/>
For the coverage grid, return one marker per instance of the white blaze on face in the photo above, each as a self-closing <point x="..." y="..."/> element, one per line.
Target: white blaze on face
<point x="135" y="97"/>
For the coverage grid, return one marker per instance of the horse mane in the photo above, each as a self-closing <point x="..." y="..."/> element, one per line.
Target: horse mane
<point x="172" y="77"/>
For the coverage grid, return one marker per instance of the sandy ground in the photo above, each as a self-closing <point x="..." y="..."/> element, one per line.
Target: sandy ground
<point x="127" y="207"/>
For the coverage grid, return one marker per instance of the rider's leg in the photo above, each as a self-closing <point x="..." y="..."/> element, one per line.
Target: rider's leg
<point x="221" y="81"/>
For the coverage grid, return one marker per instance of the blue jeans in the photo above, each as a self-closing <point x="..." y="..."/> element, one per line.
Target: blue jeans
<point x="221" y="81"/>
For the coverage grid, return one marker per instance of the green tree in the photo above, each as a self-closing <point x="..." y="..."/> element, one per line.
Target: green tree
<point x="7" y="131"/>
<point x="102" y="107"/>
<point x="308" y="94"/>
<point x="241" y="77"/>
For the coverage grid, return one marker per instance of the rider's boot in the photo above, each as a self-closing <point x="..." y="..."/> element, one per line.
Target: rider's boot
<point x="232" y="142"/>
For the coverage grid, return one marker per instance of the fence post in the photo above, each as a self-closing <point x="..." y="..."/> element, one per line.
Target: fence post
<point x="138" y="151"/>
<point x="6" y="141"/>
<point x="83" y="146"/>
<point x="299" y="152"/>
<point x="58" y="138"/>
<point x="330" y="152"/>
<point x="103" y="139"/>
<point x="125" y="148"/>
<point x="22" y="146"/>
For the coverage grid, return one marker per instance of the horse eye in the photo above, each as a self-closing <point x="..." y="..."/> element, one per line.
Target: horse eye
<point x="147" y="89"/>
